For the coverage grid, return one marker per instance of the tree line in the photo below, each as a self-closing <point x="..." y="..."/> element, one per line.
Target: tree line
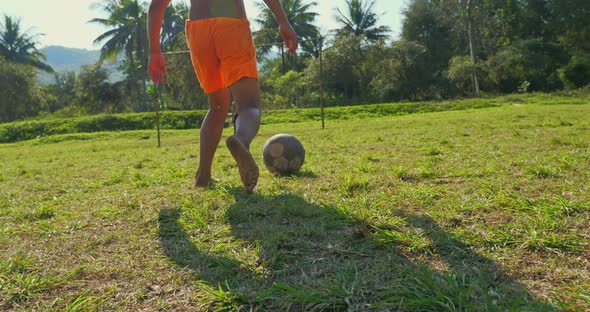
<point x="446" y="49"/>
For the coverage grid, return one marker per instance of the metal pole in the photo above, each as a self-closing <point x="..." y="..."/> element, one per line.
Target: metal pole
<point x="322" y="81"/>
<point x="159" y="89"/>
<point x="283" y="59"/>
<point x="294" y="68"/>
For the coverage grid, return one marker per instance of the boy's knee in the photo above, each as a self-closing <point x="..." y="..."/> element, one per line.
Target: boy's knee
<point x="250" y="112"/>
<point x="218" y="113"/>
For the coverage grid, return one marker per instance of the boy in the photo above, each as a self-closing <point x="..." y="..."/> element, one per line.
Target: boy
<point x="224" y="57"/>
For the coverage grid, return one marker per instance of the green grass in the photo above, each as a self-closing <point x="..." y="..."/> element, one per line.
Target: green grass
<point x="481" y="209"/>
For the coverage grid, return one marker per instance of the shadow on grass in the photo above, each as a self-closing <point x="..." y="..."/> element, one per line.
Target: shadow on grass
<point x="305" y="173"/>
<point x="318" y="257"/>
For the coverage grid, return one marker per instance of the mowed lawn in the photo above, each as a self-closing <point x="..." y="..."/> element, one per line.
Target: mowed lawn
<point x="476" y="210"/>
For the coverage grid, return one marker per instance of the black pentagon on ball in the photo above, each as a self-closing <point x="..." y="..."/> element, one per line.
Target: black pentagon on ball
<point x="283" y="154"/>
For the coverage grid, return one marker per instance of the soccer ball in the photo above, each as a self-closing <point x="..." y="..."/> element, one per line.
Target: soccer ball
<point x="283" y="154"/>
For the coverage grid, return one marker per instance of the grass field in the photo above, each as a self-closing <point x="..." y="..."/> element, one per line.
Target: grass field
<point x="475" y="210"/>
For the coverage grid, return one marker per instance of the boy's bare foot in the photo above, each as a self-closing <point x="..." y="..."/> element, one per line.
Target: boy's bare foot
<point x="246" y="163"/>
<point x="205" y="182"/>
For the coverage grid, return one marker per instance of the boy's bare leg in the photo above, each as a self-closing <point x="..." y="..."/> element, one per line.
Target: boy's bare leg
<point x="210" y="135"/>
<point x="246" y="93"/>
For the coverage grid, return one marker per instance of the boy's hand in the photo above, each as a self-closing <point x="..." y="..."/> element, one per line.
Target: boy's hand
<point x="157" y="67"/>
<point x="289" y="36"/>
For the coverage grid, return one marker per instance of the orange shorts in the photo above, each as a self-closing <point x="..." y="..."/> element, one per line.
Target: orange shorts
<point x="222" y="51"/>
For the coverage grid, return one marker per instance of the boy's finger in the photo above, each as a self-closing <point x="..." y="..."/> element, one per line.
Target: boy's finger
<point x="291" y="46"/>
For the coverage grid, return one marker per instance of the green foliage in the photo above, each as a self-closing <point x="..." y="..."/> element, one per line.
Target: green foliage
<point x="569" y="20"/>
<point x="173" y="25"/>
<point x="31" y="129"/>
<point x="505" y="72"/>
<point x="127" y="21"/>
<point x="360" y="20"/>
<point x="96" y="93"/>
<point x="342" y="68"/>
<point x="529" y="61"/>
<point x="20" y="94"/>
<point x="19" y="47"/>
<point x="89" y="92"/>
<point x="460" y="74"/>
<point x="425" y="22"/>
<point x="12" y="132"/>
<point x="282" y="91"/>
<point x="519" y="46"/>
<point x="300" y="17"/>
<point x="65" y="91"/>
<point x="399" y="72"/>
<point x="354" y="72"/>
<point x="576" y="74"/>
<point x="127" y="34"/>
<point x="27" y="130"/>
<point x="182" y="90"/>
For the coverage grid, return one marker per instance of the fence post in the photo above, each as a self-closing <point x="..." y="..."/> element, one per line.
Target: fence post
<point x="322" y="80"/>
<point x="158" y="104"/>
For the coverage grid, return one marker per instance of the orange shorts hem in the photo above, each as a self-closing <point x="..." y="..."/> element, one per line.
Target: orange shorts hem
<point x="222" y="51"/>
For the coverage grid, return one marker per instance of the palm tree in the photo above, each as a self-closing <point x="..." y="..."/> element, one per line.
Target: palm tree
<point x="360" y="20"/>
<point x="127" y="20"/>
<point x="20" y="47"/>
<point x="173" y="24"/>
<point x="300" y="17"/>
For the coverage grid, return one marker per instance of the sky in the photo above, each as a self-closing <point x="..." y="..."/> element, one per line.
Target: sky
<point x="65" y="22"/>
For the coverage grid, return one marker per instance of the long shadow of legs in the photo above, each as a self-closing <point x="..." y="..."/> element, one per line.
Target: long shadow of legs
<point x="475" y="282"/>
<point x="320" y="257"/>
<point x="315" y="256"/>
<point x="179" y="247"/>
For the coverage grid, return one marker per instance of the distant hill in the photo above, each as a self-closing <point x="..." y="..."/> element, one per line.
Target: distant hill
<point x="64" y="59"/>
<point x="70" y="58"/>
